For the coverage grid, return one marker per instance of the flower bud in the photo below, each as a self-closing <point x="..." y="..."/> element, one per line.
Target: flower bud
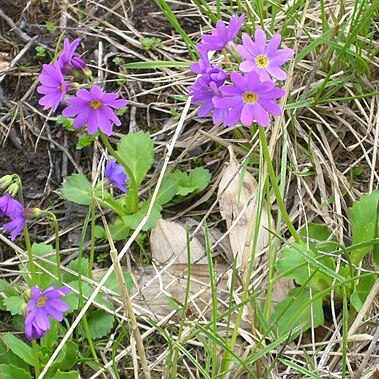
<point x="32" y="213"/>
<point x="6" y="181"/>
<point x="12" y="189"/>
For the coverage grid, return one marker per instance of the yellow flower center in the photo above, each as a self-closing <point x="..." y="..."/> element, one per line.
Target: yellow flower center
<point x="261" y="60"/>
<point x="61" y="88"/>
<point x="95" y="104"/>
<point x="250" y="97"/>
<point x="41" y="301"/>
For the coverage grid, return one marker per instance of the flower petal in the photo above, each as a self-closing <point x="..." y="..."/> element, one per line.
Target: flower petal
<point x="273" y="45"/>
<point x="276" y="72"/>
<point x="247" y="66"/>
<point x="260" y="41"/>
<point x="247" y="115"/>
<point x="260" y="114"/>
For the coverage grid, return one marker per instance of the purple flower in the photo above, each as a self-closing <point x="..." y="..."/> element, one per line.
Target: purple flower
<point x="14" y="210"/>
<point x="222" y="36"/>
<point x="53" y="86"/>
<point x="116" y="174"/>
<point x="94" y="109"/>
<point x="203" y="64"/>
<point x="205" y="89"/>
<point x="249" y="99"/>
<point x="264" y="59"/>
<point x="40" y="307"/>
<point x="67" y="62"/>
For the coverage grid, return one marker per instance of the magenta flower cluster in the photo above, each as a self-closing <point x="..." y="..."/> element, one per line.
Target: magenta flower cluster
<point x="91" y="107"/>
<point x="249" y="95"/>
<point x="41" y="307"/>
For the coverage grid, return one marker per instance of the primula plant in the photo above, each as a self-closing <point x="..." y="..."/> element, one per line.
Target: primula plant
<point x="244" y="88"/>
<point x="251" y="97"/>
<point x="67" y="87"/>
<point x="67" y="319"/>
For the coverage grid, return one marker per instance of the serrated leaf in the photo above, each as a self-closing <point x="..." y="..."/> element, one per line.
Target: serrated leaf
<point x="14" y="304"/>
<point x="137" y="151"/>
<point x="77" y="189"/>
<point x="132" y="221"/>
<point x="13" y="372"/>
<point x="363" y="216"/>
<point x="18" y="347"/>
<point x="100" y="323"/>
<point x="167" y="191"/>
<point x="86" y="140"/>
<point x="66" y="122"/>
<point x="297" y="310"/>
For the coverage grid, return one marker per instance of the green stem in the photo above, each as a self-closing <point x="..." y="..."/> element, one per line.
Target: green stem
<point x="275" y="186"/>
<point x="133" y="187"/>
<point x="92" y="251"/>
<point x="80" y="287"/>
<point x="53" y="220"/>
<point x="30" y="256"/>
<point x="37" y="368"/>
<point x="246" y="281"/>
<point x="26" y="235"/>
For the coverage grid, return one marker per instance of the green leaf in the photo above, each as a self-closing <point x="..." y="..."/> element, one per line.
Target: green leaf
<point x="364" y="217"/>
<point x="78" y="265"/>
<point x="9" y="358"/>
<point x="132" y="221"/>
<point x="49" y="340"/>
<point x="183" y="181"/>
<point x="66" y="122"/>
<point x="200" y="178"/>
<point x="194" y="182"/>
<point x="14" y="304"/>
<point x="66" y="358"/>
<point x="294" y="265"/>
<point x="297" y="310"/>
<point x="72" y="299"/>
<point x="18" y="347"/>
<point x="13" y="372"/>
<point x="86" y="140"/>
<point x="46" y="252"/>
<point x="319" y="237"/>
<point x="362" y="290"/>
<point x="137" y="151"/>
<point x="156" y="64"/>
<point x="77" y="189"/>
<point x="167" y="191"/>
<point x="150" y="42"/>
<point x="112" y="283"/>
<point x="7" y="289"/>
<point x="66" y="375"/>
<point x="100" y="323"/>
